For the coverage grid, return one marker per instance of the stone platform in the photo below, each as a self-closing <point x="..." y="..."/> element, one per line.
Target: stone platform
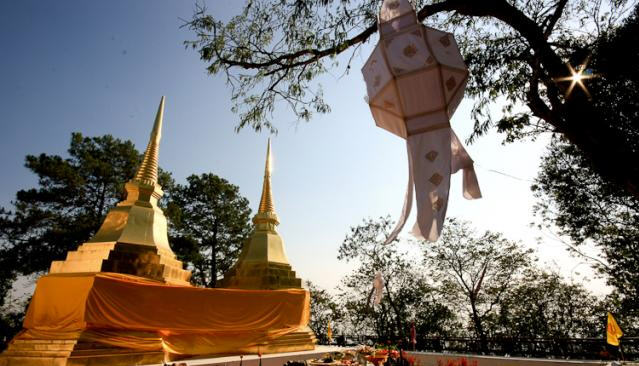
<point x="275" y="359"/>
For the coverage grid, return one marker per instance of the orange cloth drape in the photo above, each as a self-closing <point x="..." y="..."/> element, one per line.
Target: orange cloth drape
<point x="128" y="312"/>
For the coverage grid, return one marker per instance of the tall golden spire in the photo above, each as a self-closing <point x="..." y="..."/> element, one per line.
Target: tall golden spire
<point x="266" y="218"/>
<point x="148" y="171"/>
<point x="266" y="202"/>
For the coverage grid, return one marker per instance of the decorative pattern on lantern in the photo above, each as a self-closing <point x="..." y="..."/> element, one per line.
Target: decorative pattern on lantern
<point x="415" y="79"/>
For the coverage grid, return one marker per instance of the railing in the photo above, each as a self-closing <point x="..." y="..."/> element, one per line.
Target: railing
<point x="563" y="348"/>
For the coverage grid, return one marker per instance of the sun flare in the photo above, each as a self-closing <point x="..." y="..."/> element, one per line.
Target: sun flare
<point x="577" y="77"/>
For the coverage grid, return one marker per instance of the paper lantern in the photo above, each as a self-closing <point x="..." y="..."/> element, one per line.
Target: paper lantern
<point x="415" y="79"/>
<point x="378" y="285"/>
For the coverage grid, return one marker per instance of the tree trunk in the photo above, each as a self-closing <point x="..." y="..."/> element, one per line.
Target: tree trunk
<point x="479" y="327"/>
<point x="398" y="320"/>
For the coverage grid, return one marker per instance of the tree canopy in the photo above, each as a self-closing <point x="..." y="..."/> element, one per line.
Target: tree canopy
<point x="324" y="309"/>
<point x="407" y="294"/>
<point x="480" y="286"/>
<point x="519" y="54"/>
<point x="210" y="222"/>
<point x="476" y="271"/>
<point x="546" y="306"/>
<point x="573" y="198"/>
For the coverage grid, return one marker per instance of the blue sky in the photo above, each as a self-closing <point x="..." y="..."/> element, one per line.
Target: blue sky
<point x="101" y="68"/>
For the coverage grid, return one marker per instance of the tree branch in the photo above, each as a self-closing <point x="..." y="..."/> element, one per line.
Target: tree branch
<point x="552" y="21"/>
<point x="287" y="61"/>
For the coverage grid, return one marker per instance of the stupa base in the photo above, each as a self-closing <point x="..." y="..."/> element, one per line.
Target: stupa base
<point x="73" y="352"/>
<point x="260" y="276"/>
<point x="110" y="319"/>
<point x="137" y="260"/>
<point x="26" y="351"/>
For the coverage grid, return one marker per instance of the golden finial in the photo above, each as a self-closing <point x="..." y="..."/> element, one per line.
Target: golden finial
<point x="148" y="170"/>
<point x="266" y="203"/>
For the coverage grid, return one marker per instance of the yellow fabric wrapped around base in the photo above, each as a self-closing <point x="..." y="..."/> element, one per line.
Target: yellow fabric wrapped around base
<point x="132" y="313"/>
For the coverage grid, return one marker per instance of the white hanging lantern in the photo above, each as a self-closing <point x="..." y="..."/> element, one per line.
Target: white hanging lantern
<point x="415" y="79"/>
<point x="378" y="285"/>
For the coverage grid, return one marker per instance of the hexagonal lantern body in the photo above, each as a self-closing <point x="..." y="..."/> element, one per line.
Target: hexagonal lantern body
<point x="416" y="76"/>
<point x="415" y="79"/>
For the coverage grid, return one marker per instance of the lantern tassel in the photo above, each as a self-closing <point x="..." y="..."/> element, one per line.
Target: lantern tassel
<point x="431" y="181"/>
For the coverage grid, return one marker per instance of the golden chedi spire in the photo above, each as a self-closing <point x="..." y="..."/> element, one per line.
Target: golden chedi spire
<point x="263" y="263"/>
<point x="148" y="171"/>
<point x="266" y="218"/>
<point x="133" y="237"/>
<point x="266" y="202"/>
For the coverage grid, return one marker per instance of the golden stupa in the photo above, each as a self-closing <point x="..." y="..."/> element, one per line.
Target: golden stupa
<point x="263" y="263"/>
<point x="122" y="298"/>
<point x="133" y="237"/>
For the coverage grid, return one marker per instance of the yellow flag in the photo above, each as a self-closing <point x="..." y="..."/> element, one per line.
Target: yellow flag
<point x="613" y="332"/>
<point x="329" y="332"/>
